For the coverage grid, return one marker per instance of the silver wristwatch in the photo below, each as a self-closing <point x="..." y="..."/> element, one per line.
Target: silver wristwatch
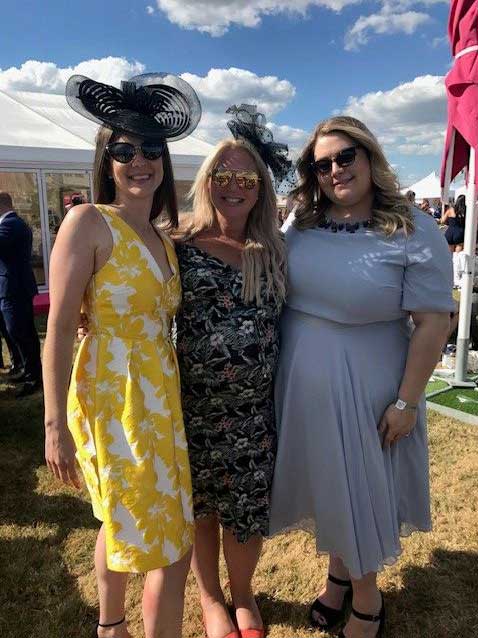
<point x="400" y="404"/>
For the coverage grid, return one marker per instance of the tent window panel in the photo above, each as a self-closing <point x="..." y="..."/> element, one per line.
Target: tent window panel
<point x="23" y="188"/>
<point x="64" y="190"/>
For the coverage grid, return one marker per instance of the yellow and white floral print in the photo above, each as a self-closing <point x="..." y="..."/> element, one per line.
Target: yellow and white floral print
<point x="124" y="408"/>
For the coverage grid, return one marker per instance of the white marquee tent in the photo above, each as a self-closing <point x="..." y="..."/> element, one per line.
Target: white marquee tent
<point x="42" y="128"/>
<point x="427" y="188"/>
<point x="46" y="157"/>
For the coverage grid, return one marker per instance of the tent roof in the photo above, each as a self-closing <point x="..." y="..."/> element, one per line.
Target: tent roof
<point x="428" y="187"/>
<point x="45" y="121"/>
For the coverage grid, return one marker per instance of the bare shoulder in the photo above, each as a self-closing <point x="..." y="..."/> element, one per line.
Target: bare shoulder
<point x="84" y="219"/>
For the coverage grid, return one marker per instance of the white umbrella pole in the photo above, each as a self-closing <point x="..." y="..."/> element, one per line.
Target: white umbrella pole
<point x="448" y="166"/>
<point x="463" y="339"/>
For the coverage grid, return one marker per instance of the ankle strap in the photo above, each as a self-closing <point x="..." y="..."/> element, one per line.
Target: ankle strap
<point x="367" y="617"/>
<point x="112" y="624"/>
<point x="339" y="581"/>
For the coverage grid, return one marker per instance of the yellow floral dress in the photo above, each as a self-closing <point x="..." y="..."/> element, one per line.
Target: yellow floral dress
<point x="124" y="408"/>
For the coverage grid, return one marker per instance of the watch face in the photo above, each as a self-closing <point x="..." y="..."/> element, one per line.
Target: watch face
<point x="400" y="404"/>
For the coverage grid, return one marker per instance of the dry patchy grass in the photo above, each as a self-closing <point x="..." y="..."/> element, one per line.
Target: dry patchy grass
<point x="47" y="536"/>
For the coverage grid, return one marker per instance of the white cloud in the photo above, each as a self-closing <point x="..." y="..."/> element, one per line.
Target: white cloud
<point x="217" y="16"/>
<point x="383" y="23"/>
<point x="47" y="77"/>
<point x="409" y="119"/>
<point x="217" y="90"/>
<point x="149" y="10"/>
<point x="221" y="88"/>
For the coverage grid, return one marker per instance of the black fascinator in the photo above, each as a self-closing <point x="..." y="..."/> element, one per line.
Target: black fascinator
<point x="250" y="125"/>
<point x="153" y="105"/>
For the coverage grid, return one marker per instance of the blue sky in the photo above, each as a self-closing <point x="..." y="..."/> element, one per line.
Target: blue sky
<point x="301" y="60"/>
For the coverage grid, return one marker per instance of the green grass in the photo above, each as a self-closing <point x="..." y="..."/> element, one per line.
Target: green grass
<point x="47" y="537"/>
<point x="435" y="385"/>
<point x="464" y="400"/>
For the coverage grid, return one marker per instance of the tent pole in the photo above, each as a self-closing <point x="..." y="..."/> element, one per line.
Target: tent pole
<point x="448" y="167"/>
<point x="463" y="339"/>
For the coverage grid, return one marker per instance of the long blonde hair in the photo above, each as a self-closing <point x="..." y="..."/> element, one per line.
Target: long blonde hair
<point x="264" y="249"/>
<point x="390" y="209"/>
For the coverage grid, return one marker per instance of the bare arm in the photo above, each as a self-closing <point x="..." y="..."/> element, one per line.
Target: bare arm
<point x="71" y="267"/>
<point x="431" y="331"/>
<point x="445" y="216"/>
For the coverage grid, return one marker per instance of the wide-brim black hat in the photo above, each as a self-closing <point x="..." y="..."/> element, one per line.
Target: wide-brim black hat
<point x="152" y="105"/>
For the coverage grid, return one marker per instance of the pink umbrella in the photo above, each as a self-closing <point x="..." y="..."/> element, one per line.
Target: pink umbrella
<point x="460" y="150"/>
<point x="462" y="89"/>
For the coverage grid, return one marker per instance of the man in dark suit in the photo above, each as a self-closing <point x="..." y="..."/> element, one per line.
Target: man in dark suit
<point x="17" y="289"/>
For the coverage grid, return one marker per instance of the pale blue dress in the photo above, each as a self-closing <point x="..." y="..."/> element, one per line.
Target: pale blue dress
<point x="344" y="340"/>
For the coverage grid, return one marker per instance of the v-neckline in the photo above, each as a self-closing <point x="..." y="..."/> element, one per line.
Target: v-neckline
<point x="220" y="261"/>
<point x="148" y="253"/>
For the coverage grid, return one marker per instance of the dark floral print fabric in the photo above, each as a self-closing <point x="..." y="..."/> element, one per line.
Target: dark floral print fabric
<point x="227" y="352"/>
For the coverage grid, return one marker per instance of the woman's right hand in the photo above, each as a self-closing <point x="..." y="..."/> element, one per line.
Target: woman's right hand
<point x="60" y="454"/>
<point x="82" y="329"/>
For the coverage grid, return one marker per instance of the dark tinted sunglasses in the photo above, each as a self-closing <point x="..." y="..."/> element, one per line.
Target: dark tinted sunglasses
<point x="124" y="152"/>
<point x="345" y="158"/>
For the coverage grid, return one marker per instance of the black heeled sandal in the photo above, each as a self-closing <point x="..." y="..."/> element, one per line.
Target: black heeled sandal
<point x="370" y="618"/>
<point x="112" y="624"/>
<point x="332" y="616"/>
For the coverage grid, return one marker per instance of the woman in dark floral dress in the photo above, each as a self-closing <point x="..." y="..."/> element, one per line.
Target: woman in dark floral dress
<point x="232" y="265"/>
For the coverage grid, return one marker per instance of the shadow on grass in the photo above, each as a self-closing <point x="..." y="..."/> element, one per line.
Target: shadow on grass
<point x="283" y="612"/>
<point x="39" y="597"/>
<point x="436" y="601"/>
<point x="21" y="454"/>
<point x="39" y="594"/>
<point x="439" y="599"/>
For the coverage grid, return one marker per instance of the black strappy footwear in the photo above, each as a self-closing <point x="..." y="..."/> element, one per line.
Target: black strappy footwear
<point x="332" y="616"/>
<point x="370" y="618"/>
<point x="112" y="624"/>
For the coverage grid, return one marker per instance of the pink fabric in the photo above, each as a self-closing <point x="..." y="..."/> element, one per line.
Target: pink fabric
<point x="462" y="86"/>
<point x="41" y="303"/>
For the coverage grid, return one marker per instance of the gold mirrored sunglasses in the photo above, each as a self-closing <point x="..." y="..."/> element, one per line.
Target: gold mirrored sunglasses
<point x="244" y="179"/>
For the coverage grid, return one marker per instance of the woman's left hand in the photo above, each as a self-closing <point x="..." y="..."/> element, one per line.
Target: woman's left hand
<point x="396" y="424"/>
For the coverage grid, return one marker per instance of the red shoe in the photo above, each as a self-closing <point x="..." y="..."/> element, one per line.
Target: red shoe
<point x="252" y="633"/>
<point x="231" y="634"/>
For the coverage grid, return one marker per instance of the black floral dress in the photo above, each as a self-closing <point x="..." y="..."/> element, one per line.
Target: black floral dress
<point x="227" y="352"/>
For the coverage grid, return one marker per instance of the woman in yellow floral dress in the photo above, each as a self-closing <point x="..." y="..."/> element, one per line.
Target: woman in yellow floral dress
<point x="122" y="412"/>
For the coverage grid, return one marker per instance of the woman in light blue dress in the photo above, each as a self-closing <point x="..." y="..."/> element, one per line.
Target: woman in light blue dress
<point x="352" y="463"/>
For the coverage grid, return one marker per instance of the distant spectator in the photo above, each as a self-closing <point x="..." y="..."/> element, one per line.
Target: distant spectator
<point x="410" y="196"/>
<point x="454" y="218"/>
<point x="17" y="289"/>
<point x="425" y="207"/>
<point x="77" y="199"/>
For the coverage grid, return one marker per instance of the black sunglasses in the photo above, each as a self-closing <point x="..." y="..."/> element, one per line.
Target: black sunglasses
<point x="124" y="152"/>
<point x="346" y="157"/>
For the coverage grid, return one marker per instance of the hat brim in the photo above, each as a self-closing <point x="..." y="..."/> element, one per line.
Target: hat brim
<point x="153" y="105"/>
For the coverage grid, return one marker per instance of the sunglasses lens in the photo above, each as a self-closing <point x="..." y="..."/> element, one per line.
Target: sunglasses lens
<point x="346" y="157"/>
<point x="221" y="178"/>
<point x="323" y="166"/>
<point x="247" y="180"/>
<point x="121" y="152"/>
<point x="152" y="150"/>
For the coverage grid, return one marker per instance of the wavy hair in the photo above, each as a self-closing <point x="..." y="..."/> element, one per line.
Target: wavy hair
<point x="164" y="200"/>
<point x="264" y="249"/>
<point x="390" y="209"/>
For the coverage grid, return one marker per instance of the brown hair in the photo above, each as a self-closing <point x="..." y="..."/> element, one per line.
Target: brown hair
<point x="390" y="209"/>
<point x="6" y="199"/>
<point x="164" y="200"/>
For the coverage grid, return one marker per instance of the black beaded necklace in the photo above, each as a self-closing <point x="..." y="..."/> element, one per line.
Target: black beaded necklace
<point x="334" y="226"/>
